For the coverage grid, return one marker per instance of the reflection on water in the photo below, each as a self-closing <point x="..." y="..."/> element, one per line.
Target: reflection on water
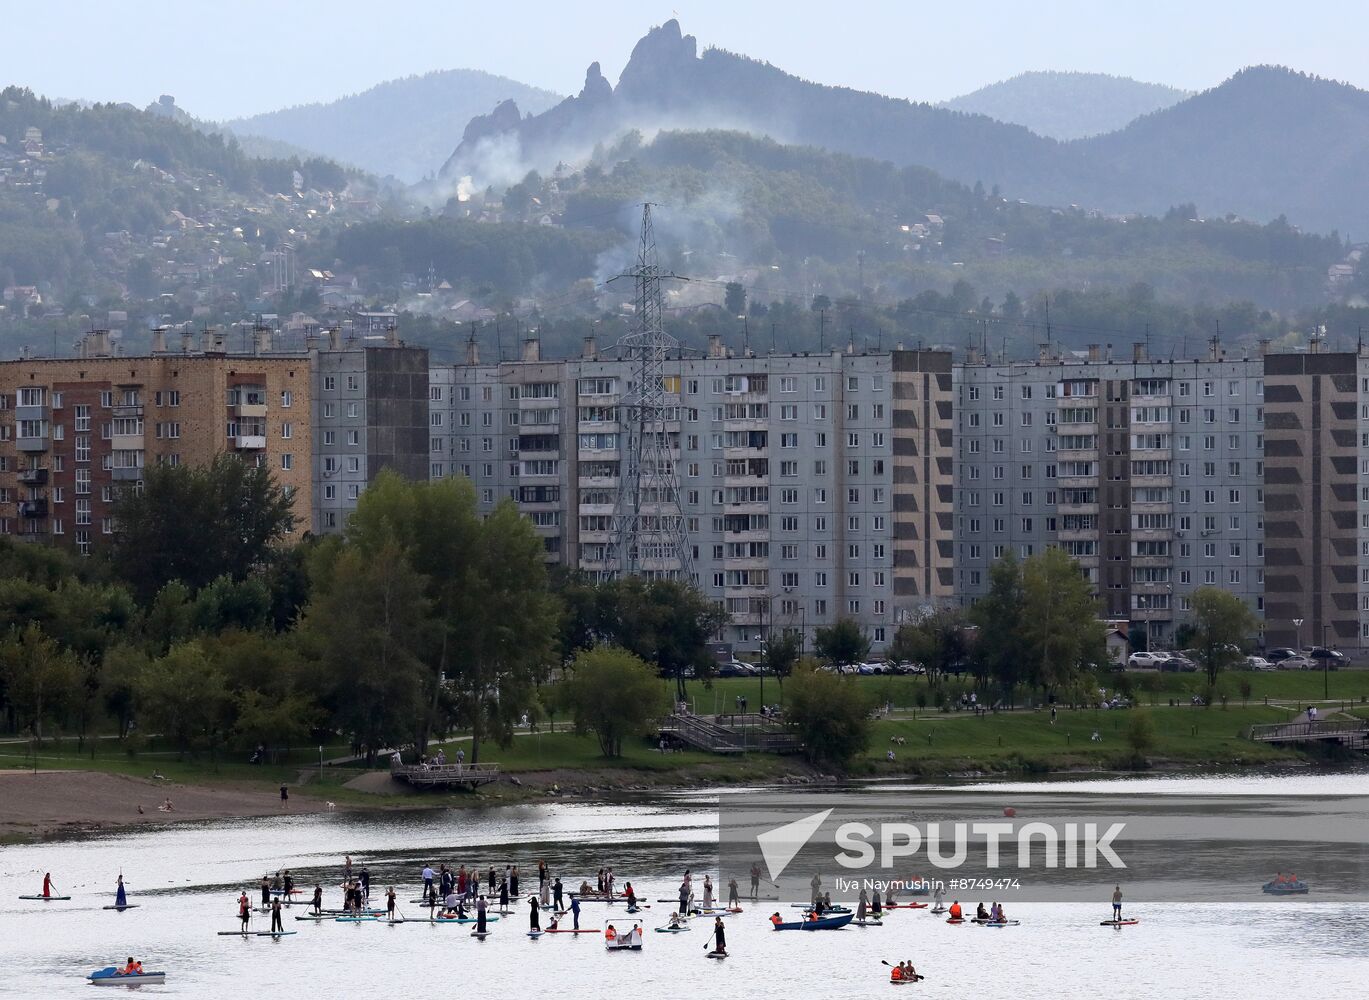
<point x="186" y="878"/>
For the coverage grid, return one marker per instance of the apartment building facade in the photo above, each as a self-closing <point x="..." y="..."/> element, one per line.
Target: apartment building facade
<point x="1149" y="473"/>
<point x="370" y="413"/>
<point x="804" y="496"/>
<point x="73" y="431"/>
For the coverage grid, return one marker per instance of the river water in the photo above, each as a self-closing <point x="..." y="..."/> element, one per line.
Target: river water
<point x="186" y="878"/>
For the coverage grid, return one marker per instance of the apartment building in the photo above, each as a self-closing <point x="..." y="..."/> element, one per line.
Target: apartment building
<point x="1317" y="458"/>
<point x="75" y="430"/>
<point x="370" y="412"/>
<point x="1149" y="473"/>
<point x="812" y="486"/>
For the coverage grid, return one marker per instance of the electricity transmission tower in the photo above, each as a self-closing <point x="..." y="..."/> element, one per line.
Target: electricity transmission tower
<point x="648" y="537"/>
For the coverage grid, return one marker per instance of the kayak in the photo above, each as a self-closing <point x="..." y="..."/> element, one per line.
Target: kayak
<point x="1273" y="888"/>
<point x="821" y="924"/>
<point x="1119" y="923"/>
<point x="48" y="899"/>
<point x="111" y="977"/>
<point x="906" y="982"/>
<point x="116" y="906"/>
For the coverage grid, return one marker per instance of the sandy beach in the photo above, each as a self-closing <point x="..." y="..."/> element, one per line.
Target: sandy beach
<point x="43" y="803"/>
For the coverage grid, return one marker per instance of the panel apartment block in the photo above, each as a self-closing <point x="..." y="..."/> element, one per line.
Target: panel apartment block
<point x="786" y="466"/>
<point x="1149" y="473"/>
<point x="1314" y="569"/>
<point x="74" y="430"/>
<point x="371" y="413"/>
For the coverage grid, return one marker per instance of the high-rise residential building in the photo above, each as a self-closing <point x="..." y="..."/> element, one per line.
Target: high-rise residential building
<point x="1317" y="510"/>
<point x="370" y="412"/>
<point x="75" y="430"/>
<point x="1149" y="473"/>
<point x="812" y="486"/>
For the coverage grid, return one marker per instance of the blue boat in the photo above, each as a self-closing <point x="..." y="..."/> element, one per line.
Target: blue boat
<point x="1298" y="888"/>
<point x="821" y="924"/>
<point x="110" y="976"/>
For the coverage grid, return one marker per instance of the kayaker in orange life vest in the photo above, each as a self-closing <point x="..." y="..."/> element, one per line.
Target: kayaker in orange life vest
<point x="776" y="919"/>
<point x="956" y="912"/>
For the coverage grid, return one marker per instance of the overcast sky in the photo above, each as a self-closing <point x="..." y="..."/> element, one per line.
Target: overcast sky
<point x="224" y="58"/>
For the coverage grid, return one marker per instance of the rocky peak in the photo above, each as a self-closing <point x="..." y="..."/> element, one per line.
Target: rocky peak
<point x="596" y="90"/>
<point x="660" y="62"/>
<point x="505" y="116"/>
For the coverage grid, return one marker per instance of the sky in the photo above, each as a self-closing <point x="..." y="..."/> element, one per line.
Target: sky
<point x="240" y="57"/>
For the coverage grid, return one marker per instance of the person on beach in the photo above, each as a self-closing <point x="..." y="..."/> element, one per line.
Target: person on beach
<point x="244" y="910"/>
<point x="284" y="797"/>
<point x="534" y="914"/>
<point x="1117" y="902"/>
<point x="276" y="924"/>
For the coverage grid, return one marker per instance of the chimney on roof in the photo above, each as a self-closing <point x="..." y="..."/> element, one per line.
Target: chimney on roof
<point x="392" y="334"/>
<point x="850" y="347"/>
<point x="1138" y="351"/>
<point x="715" y="346"/>
<point x="589" y="350"/>
<point x="972" y="356"/>
<point x="532" y="349"/>
<point x="311" y="337"/>
<point x="96" y="344"/>
<point x="1095" y="352"/>
<point x="1043" y="352"/>
<point x="187" y="339"/>
<point x="334" y="338"/>
<point x="262" y="337"/>
<point x="159" y="340"/>
<point x="207" y="339"/>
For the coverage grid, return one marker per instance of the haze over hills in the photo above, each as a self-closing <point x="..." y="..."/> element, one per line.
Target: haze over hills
<point x="1230" y="149"/>
<point x="1068" y="105"/>
<point x="401" y="127"/>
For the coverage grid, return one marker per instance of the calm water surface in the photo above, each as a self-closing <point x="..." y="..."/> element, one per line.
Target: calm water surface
<point x="186" y="879"/>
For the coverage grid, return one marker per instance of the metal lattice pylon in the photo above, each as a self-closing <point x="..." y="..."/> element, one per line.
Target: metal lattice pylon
<point x="648" y="536"/>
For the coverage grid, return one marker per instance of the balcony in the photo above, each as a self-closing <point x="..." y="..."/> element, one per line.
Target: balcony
<point x="126" y="442"/>
<point x="250" y="410"/>
<point x="34" y="477"/>
<point x="250" y="442"/>
<point x="32" y="444"/>
<point x="127" y="410"/>
<point x="31" y="413"/>
<point x="33" y="508"/>
<point x="126" y="475"/>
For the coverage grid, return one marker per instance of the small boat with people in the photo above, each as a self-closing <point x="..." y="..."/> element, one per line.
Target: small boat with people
<point x="1286" y="885"/>
<point x="132" y="974"/>
<point x="624" y="941"/>
<point x="822" y="923"/>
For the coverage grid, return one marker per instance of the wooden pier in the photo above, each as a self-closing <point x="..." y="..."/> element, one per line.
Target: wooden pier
<point x="1352" y="734"/>
<point x="470" y="776"/>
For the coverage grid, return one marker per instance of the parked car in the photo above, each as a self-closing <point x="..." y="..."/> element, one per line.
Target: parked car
<point x="1332" y="659"/>
<point x="1280" y="653"/>
<point x="1258" y="663"/>
<point x="1295" y="662"/>
<point x="736" y="668"/>
<point x="1179" y="664"/>
<point x="1147" y="660"/>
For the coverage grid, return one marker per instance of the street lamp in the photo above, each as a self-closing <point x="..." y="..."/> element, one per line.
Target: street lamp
<point x="1325" y="664"/>
<point x="1297" y="623"/>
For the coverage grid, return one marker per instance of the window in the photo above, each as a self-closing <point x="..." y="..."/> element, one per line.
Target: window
<point x="287" y="462"/>
<point x="329" y="383"/>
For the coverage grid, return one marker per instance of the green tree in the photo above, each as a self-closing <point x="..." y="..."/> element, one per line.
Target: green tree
<point x="371" y="625"/>
<point x="184" y="697"/>
<point x="734" y="298"/>
<point x="1222" y="625"/>
<point x="41" y="679"/>
<point x="614" y="694"/>
<point x="1140" y="734"/>
<point x="198" y="524"/>
<point x="842" y="642"/>
<point x="830" y="716"/>
<point x="1060" y="633"/>
<point x="781" y="656"/>
<point x="665" y="622"/>
<point x="123" y="665"/>
<point x="999" y="617"/>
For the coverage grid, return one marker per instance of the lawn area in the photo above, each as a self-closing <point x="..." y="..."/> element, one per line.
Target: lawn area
<point x="1349" y="686"/>
<point x="537" y="752"/>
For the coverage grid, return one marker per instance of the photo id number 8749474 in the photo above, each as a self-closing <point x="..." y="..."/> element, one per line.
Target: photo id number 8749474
<point x="982" y="883"/>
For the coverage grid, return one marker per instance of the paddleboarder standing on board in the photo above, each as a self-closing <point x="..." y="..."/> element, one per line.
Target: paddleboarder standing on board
<point x="318" y="898"/>
<point x="244" y="910"/>
<point x="276" y="924"/>
<point x="480" y="906"/>
<point x="534" y="914"/>
<point x="575" y="912"/>
<point x="47" y="884"/>
<point x="390" y="903"/>
<point x="719" y="937"/>
<point x="755" y="881"/>
<point x="120" y="897"/>
<point x="557" y="897"/>
<point x="1117" y="902"/>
